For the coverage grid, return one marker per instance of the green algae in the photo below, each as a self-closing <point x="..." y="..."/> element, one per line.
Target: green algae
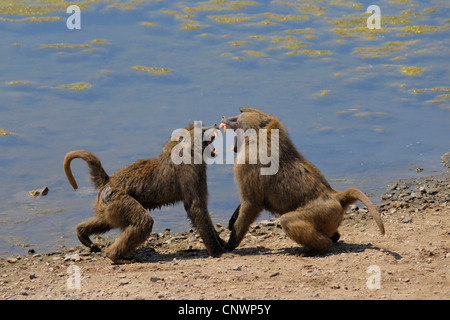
<point x="148" y="24"/>
<point x="191" y="25"/>
<point x="300" y="31"/>
<point x="280" y="17"/>
<point x="254" y="53"/>
<point x="311" y="8"/>
<point x="220" y="5"/>
<point x="64" y="46"/>
<point x="412" y="71"/>
<point x="230" y="18"/>
<point x="100" y="41"/>
<point x="348" y="4"/>
<point x="153" y="70"/>
<point x="39" y="7"/>
<point x="313" y="53"/>
<point x="370" y="114"/>
<point x="76" y="86"/>
<point x="17" y="82"/>
<point x="238" y="43"/>
<point x="4" y="132"/>
<point x="385" y="50"/>
<point x="288" y="42"/>
<point x="419" y="29"/>
<point x="322" y="93"/>
<point x="32" y="19"/>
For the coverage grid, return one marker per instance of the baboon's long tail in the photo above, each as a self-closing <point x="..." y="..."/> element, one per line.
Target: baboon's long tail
<point x="351" y="195"/>
<point x="98" y="174"/>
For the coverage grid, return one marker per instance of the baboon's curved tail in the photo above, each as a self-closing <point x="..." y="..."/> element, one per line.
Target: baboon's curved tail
<point x="351" y="195"/>
<point x="98" y="175"/>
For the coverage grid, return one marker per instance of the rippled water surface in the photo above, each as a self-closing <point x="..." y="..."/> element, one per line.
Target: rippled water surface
<point x="366" y="107"/>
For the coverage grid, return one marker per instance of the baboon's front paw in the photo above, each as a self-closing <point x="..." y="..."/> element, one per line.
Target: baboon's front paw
<point x="228" y="247"/>
<point x="335" y="237"/>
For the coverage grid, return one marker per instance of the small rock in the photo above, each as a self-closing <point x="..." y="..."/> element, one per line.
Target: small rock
<point x="154" y="278"/>
<point x="274" y="274"/>
<point x="39" y="192"/>
<point x="407" y="220"/>
<point x="123" y="282"/>
<point x="12" y="260"/>
<point x="446" y="159"/>
<point x="393" y="187"/>
<point x="237" y="268"/>
<point x="32" y="275"/>
<point x="267" y="223"/>
<point x="72" y="257"/>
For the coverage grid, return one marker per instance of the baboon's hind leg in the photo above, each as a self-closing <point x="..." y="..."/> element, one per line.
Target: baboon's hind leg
<point x="304" y="232"/>
<point x="136" y="223"/>
<point x="91" y="226"/>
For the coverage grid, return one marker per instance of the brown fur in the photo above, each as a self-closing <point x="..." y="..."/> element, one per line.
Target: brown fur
<point x="124" y="197"/>
<point x="311" y="211"/>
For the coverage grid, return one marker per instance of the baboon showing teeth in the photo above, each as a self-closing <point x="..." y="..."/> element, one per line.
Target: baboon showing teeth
<point x="124" y="197"/>
<point x="311" y="211"/>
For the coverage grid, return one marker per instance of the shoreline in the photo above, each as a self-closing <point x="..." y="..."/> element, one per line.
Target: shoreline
<point x="413" y="258"/>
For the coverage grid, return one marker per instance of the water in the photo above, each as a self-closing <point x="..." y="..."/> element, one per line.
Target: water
<point x="352" y="113"/>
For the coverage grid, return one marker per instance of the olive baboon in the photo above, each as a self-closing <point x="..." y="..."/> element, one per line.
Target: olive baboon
<point x="124" y="196"/>
<point x="311" y="211"/>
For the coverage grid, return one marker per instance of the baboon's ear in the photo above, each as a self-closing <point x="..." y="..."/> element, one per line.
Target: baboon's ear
<point x="246" y="109"/>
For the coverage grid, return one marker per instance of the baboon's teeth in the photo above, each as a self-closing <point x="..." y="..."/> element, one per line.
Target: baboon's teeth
<point x="224" y="126"/>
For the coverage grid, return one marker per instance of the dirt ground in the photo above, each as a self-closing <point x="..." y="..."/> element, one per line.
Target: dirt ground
<point x="410" y="262"/>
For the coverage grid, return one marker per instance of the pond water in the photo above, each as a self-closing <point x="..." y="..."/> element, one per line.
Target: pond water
<point x="367" y="107"/>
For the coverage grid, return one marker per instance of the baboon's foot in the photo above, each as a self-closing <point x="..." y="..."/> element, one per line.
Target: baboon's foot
<point x="95" y="248"/>
<point x="335" y="237"/>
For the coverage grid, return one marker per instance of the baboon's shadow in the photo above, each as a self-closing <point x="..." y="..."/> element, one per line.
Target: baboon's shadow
<point x="338" y="248"/>
<point x="150" y="255"/>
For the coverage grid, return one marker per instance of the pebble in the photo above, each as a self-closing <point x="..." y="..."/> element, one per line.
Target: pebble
<point x="407" y="220"/>
<point x="72" y="257"/>
<point x="123" y="282"/>
<point x="237" y="268"/>
<point x="274" y="274"/>
<point x="154" y="278"/>
<point x="12" y="260"/>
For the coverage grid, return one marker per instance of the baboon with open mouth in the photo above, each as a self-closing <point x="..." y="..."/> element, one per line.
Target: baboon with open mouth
<point x="124" y="197"/>
<point x="311" y="211"/>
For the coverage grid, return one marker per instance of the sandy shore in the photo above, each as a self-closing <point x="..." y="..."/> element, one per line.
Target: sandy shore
<point x="410" y="262"/>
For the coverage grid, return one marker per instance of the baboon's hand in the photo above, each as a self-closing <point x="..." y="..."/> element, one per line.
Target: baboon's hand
<point x="234" y="218"/>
